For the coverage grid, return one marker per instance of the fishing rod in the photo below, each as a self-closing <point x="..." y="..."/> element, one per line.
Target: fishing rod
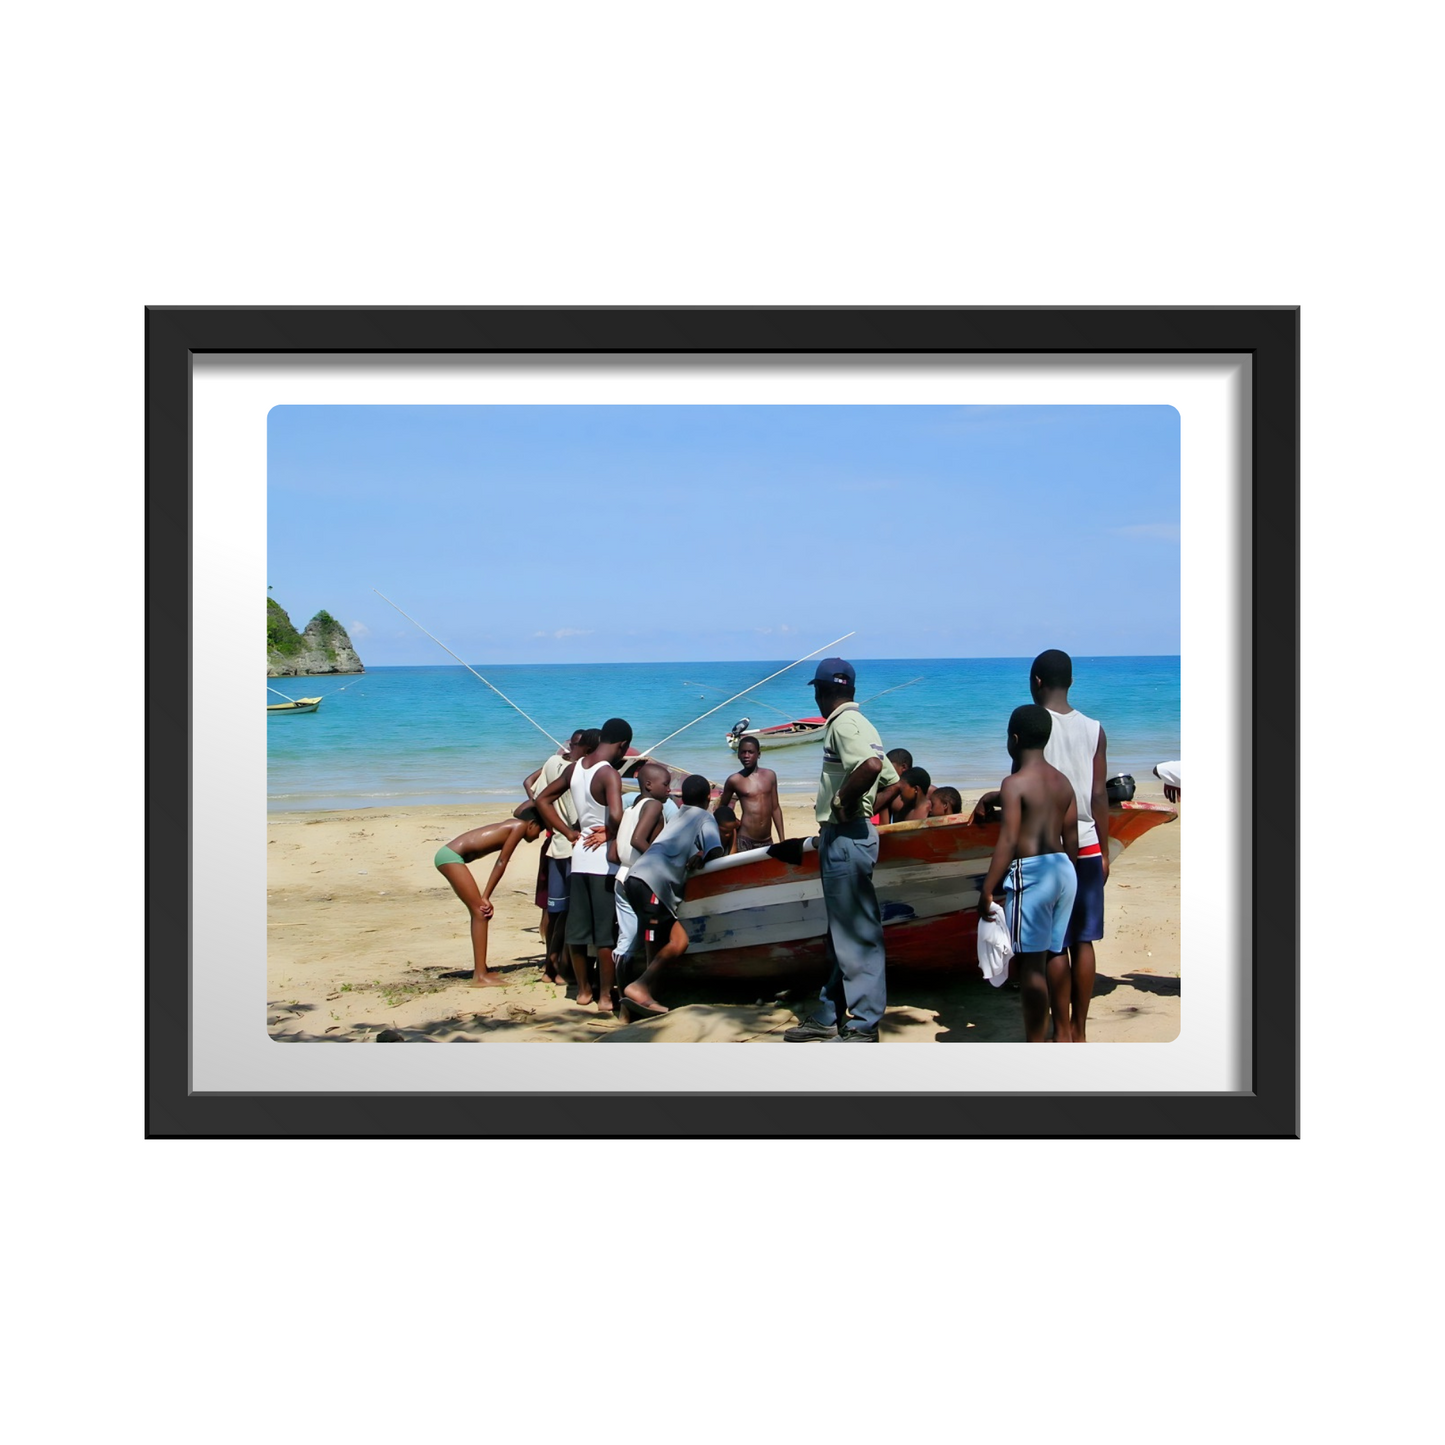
<point x="649" y="751"/>
<point x="468" y="667"/>
<point x="757" y="700"/>
<point x="898" y="688"/>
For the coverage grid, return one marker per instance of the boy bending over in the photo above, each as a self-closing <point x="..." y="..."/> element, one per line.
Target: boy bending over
<point x="654" y="887"/>
<point x="1038" y="841"/>
<point x="451" y="862"/>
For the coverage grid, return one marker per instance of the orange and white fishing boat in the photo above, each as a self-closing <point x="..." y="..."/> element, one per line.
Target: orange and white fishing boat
<point x="754" y="916"/>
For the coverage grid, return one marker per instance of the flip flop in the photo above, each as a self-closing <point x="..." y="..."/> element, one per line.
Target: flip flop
<point x="642" y="1010"/>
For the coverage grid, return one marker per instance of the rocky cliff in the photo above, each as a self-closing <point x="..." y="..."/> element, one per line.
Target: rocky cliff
<point x="324" y="646"/>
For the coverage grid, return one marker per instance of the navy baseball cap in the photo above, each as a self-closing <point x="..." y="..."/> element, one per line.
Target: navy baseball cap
<point x="835" y="672"/>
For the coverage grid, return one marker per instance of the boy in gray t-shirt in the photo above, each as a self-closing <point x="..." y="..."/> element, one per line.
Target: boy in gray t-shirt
<point x="654" y="887"/>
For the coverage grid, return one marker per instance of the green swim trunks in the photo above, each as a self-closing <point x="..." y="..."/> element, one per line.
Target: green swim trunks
<point x="445" y="855"/>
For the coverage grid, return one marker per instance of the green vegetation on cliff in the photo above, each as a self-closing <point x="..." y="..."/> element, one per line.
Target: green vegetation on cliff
<point x="281" y="636"/>
<point x="326" y="629"/>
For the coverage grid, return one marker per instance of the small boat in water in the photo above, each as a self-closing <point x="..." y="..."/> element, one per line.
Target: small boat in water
<point x="300" y="704"/>
<point x="753" y="916"/>
<point x="782" y="735"/>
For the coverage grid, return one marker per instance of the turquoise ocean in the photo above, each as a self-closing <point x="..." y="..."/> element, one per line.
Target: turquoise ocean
<point x="414" y="735"/>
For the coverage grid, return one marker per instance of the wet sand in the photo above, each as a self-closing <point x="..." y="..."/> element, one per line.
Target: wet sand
<point x="366" y="939"/>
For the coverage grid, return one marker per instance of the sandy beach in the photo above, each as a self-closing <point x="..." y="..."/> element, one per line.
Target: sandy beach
<point x="366" y="940"/>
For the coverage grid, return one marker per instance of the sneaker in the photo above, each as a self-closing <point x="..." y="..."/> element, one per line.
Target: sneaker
<point x="856" y="1036"/>
<point x="810" y="1031"/>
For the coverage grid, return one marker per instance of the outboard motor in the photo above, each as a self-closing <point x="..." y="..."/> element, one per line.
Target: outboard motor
<point x="741" y="726"/>
<point x="1120" y="789"/>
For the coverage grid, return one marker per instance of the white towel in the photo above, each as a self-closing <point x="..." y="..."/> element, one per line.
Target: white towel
<point x="995" y="947"/>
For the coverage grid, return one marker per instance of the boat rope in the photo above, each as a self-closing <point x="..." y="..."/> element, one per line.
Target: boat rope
<point x="649" y="751"/>
<point x="468" y="667"/>
<point x="887" y="690"/>
<point x="279" y="693"/>
<point x="757" y="700"/>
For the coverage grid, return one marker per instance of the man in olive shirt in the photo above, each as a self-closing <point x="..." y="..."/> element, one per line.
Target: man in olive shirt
<point x="854" y="767"/>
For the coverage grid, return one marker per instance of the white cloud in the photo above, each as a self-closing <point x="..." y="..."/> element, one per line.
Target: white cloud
<point x="562" y="632"/>
<point x="358" y="629"/>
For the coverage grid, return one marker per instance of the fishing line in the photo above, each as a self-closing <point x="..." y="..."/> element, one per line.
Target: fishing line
<point x="757" y="700"/>
<point x="898" y="688"/>
<point x="649" y="751"/>
<point x="468" y="667"/>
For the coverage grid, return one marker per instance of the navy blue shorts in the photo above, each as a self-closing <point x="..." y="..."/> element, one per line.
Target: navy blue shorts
<point x="1086" y="923"/>
<point x="559" y="874"/>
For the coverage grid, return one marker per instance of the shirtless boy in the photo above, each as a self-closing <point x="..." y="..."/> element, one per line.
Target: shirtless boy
<point x="654" y="888"/>
<point x="907" y="799"/>
<point x="1038" y="841"/>
<point x="942" y="802"/>
<point x="727" y="826"/>
<point x="756" y="790"/>
<point x="595" y="787"/>
<point x="451" y="862"/>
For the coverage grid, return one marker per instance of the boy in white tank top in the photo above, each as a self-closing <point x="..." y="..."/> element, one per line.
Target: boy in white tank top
<point x="596" y="792"/>
<point x="1077" y="747"/>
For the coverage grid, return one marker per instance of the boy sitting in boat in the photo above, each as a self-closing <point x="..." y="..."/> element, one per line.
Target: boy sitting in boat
<point x="943" y="802"/>
<point x="756" y="790"/>
<point x="654" y="887"/>
<point x="727" y="826"/>
<point x="451" y="862"/>
<point x="1038" y="841"/>
<point x="907" y="799"/>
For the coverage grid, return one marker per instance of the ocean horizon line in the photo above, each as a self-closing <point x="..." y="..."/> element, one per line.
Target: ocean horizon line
<point x="759" y="661"/>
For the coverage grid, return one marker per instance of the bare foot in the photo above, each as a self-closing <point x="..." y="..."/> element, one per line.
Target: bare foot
<point x="487" y="980"/>
<point x="641" y="1000"/>
<point x="585" y="1000"/>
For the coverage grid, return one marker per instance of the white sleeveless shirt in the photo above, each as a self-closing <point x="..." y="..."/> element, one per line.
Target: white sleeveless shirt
<point x="1071" y="747"/>
<point x="625" y="852"/>
<point x="590" y="814"/>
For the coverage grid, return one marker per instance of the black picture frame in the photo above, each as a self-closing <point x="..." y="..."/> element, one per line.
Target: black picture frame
<point x="1268" y="335"/>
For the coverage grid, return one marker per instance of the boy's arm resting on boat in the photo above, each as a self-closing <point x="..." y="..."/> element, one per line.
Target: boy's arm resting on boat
<point x="986" y="805"/>
<point x="1003" y="851"/>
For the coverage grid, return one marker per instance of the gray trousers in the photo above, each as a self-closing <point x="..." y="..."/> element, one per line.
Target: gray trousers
<point x="846" y="855"/>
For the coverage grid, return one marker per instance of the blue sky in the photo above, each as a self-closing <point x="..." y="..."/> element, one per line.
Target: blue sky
<point x="681" y="533"/>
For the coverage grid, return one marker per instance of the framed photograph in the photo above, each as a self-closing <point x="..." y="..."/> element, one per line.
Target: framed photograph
<point x="696" y="676"/>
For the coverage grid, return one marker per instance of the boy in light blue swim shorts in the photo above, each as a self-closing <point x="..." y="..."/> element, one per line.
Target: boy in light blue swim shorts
<point x="1038" y="841"/>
